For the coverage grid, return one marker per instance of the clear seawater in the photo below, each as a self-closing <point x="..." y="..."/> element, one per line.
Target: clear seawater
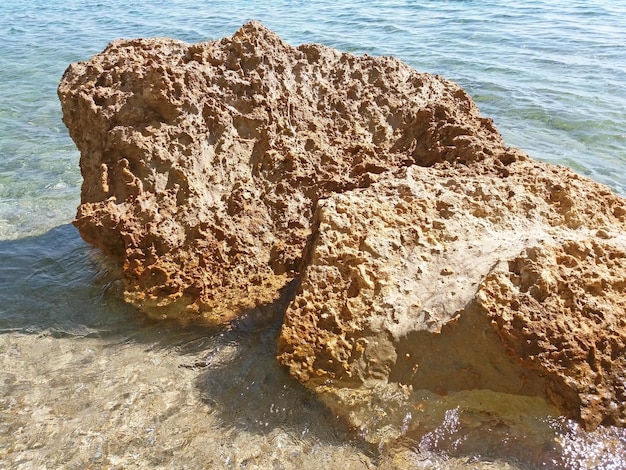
<point x="87" y="382"/>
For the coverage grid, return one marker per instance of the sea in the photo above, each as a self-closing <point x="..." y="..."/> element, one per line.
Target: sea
<point x="88" y="382"/>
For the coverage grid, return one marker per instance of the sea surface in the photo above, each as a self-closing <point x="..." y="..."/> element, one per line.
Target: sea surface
<point x="87" y="382"/>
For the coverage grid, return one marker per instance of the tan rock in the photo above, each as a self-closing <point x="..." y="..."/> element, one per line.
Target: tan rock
<point x="560" y="308"/>
<point x="434" y="264"/>
<point x="464" y="277"/>
<point x="202" y="163"/>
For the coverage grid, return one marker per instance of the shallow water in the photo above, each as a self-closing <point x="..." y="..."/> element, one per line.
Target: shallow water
<point x="87" y="382"/>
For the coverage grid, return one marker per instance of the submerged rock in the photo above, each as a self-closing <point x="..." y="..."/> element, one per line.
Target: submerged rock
<point x="431" y="259"/>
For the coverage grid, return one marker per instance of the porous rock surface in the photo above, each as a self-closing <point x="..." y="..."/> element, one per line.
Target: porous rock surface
<point x="465" y="277"/>
<point x="202" y="163"/>
<point x="430" y="258"/>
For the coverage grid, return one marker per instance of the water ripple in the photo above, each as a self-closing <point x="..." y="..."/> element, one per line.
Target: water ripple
<point x="552" y="75"/>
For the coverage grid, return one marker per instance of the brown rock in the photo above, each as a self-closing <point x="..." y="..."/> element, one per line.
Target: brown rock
<point x="560" y="308"/>
<point x="436" y="264"/>
<point x="203" y="163"/>
<point x="463" y="277"/>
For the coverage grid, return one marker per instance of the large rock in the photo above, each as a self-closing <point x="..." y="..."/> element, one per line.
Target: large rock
<point x="464" y="277"/>
<point x="434" y="264"/>
<point x="202" y="163"/>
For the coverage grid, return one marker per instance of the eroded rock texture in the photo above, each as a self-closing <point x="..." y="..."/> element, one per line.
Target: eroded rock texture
<point x="202" y="163"/>
<point x="432" y="260"/>
<point x="466" y="276"/>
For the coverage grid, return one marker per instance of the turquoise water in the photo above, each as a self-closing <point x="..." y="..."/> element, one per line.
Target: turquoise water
<point x="552" y="75"/>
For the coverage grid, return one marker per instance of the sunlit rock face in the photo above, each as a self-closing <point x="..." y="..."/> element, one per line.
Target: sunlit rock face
<point x="465" y="277"/>
<point x="203" y="163"/>
<point x="431" y="260"/>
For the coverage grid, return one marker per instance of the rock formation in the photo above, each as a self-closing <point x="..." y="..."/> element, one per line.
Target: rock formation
<point x="202" y="163"/>
<point x="429" y="256"/>
<point x="457" y="277"/>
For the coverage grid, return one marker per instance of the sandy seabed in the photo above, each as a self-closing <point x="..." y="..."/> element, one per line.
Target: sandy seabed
<point x="81" y="402"/>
